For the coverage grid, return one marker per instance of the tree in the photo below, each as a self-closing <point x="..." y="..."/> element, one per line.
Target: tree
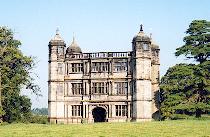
<point x="186" y="87"/>
<point x="197" y="42"/>
<point x="185" y="90"/>
<point x="15" y="70"/>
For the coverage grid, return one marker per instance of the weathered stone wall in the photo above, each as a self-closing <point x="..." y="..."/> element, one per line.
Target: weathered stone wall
<point x="155" y="80"/>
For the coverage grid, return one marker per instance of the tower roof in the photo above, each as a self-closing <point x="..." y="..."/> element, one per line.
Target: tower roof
<point x="154" y="45"/>
<point x="141" y="36"/>
<point x="57" y="36"/>
<point x="73" y="48"/>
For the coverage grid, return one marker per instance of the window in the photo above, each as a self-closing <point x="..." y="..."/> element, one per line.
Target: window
<point x="76" y="110"/>
<point x="60" y="50"/>
<point x="121" y="110"/>
<point x="100" y="66"/>
<point x="59" y="89"/>
<point x="60" y="68"/>
<point x="120" y="65"/>
<point x="99" y="88"/>
<point x="121" y="88"/>
<point x="157" y="52"/>
<point x="145" y="46"/>
<point x="76" y="88"/>
<point x="76" y="67"/>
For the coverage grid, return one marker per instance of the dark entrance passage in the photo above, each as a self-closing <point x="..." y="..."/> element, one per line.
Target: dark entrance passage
<point x="99" y="114"/>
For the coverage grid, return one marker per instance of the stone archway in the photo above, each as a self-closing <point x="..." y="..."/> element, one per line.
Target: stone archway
<point x="99" y="114"/>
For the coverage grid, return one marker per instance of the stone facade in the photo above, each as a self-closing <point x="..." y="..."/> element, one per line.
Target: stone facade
<point x="102" y="86"/>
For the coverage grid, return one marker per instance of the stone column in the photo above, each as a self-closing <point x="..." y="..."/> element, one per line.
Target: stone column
<point x="113" y="110"/>
<point x="128" y="109"/>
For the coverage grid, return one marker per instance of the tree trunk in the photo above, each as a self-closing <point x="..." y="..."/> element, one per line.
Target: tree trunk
<point x="198" y="113"/>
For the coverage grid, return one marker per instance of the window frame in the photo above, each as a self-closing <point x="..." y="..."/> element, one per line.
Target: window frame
<point x="77" y="88"/>
<point x="100" y="67"/>
<point x="120" y="66"/>
<point x="76" y="68"/>
<point x="121" y="88"/>
<point x="145" y="46"/>
<point x="76" y="110"/>
<point x="60" y="68"/>
<point x="121" y="110"/>
<point x="99" y="88"/>
<point x="60" y="50"/>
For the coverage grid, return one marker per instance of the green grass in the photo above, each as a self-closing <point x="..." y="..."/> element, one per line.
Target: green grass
<point x="176" y="128"/>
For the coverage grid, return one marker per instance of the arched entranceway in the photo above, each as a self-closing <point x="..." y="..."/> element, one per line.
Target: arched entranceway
<point x="99" y="114"/>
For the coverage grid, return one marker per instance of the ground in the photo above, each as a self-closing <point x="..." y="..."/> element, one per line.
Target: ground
<point x="176" y="128"/>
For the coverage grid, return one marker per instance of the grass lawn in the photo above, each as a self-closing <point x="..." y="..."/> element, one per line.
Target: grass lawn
<point x="178" y="128"/>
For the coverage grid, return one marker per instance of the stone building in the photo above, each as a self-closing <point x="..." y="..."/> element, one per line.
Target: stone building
<point x="102" y="86"/>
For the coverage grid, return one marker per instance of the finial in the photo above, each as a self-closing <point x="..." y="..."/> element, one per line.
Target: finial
<point x="57" y="31"/>
<point x="150" y="35"/>
<point x="141" y="27"/>
<point x="73" y="38"/>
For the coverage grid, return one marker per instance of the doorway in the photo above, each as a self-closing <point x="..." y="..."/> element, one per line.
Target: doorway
<point x="99" y="114"/>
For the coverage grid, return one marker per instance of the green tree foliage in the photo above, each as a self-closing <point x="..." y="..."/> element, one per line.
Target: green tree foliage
<point x="185" y="90"/>
<point x="15" y="70"/>
<point x="186" y="87"/>
<point x="197" y="41"/>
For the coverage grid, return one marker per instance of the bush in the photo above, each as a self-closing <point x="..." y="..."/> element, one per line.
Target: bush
<point x="39" y="119"/>
<point x="189" y="117"/>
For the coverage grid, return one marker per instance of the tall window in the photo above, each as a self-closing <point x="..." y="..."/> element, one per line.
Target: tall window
<point x="121" y="88"/>
<point x="99" y="88"/>
<point x="60" y="68"/>
<point x="76" y="67"/>
<point x="76" y="110"/>
<point x="120" y="65"/>
<point x="59" y="89"/>
<point x="76" y="88"/>
<point x="100" y="67"/>
<point x="121" y="110"/>
<point x="60" y="50"/>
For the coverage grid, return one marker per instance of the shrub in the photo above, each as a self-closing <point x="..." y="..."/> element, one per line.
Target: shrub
<point x="39" y="119"/>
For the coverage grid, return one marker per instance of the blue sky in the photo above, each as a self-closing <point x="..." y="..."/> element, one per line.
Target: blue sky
<point x="99" y="25"/>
